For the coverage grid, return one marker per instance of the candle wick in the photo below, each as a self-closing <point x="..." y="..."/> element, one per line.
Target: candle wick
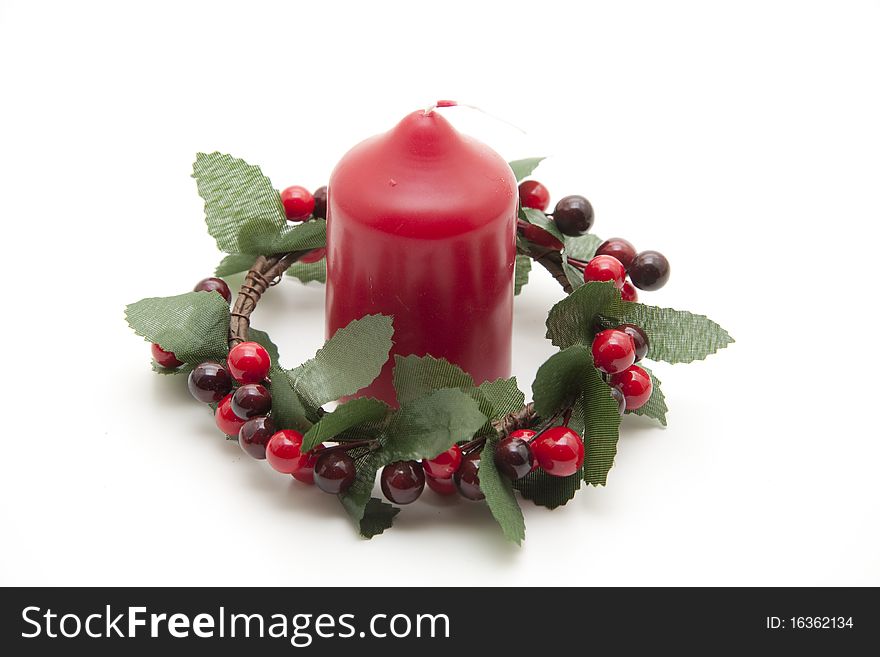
<point x="451" y="103"/>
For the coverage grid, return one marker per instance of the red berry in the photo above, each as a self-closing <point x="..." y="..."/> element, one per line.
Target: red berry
<point x="320" y="195"/>
<point x="527" y="435"/>
<point x="227" y="421"/>
<point x="628" y="292"/>
<point x="251" y="400"/>
<point x="214" y="285"/>
<point x="444" y="465"/>
<point x="298" y="203"/>
<point x="403" y="481"/>
<point x="209" y="382"/>
<point x="640" y="338"/>
<point x="254" y="434"/>
<point x="284" y="449"/>
<point x="605" y="268"/>
<point x="533" y="194"/>
<point x="559" y="451"/>
<point x="313" y="256"/>
<point x="306" y="471"/>
<point x="165" y="358"/>
<point x="467" y="477"/>
<point x="441" y="486"/>
<point x="649" y="270"/>
<point x="248" y="362"/>
<point x="335" y="472"/>
<point x="537" y="235"/>
<point x="635" y="384"/>
<point x="619" y="248"/>
<point x="613" y="351"/>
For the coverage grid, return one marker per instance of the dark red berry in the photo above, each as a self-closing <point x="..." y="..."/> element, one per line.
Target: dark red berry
<point x="605" y="268"/>
<point x="254" y="434"/>
<point x="306" y="471"/>
<point x="444" y="465"/>
<point x="559" y="451"/>
<point x="613" y="351"/>
<point x="248" y="362"/>
<point x="635" y="384"/>
<point x="334" y="472"/>
<point x="313" y="256"/>
<point x="573" y="215"/>
<point x="209" y="382"/>
<point x="441" y="486"/>
<point x="526" y="435"/>
<point x="628" y="292"/>
<point x="298" y="203"/>
<point x="214" y="285"/>
<point x="467" y="477"/>
<point x="649" y="270"/>
<point x="403" y="481"/>
<point x="533" y="194"/>
<point x="320" y="196"/>
<point x="227" y="421"/>
<point x="284" y="449"/>
<point x="537" y="235"/>
<point x="640" y="339"/>
<point x="250" y="400"/>
<point x="164" y="358"/>
<point x="619" y="248"/>
<point x="514" y="457"/>
<point x="620" y="399"/>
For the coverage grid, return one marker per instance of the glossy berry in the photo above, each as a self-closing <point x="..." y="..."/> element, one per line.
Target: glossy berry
<point x="209" y="382"/>
<point x="573" y="215"/>
<point x="306" y="471"/>
<point x="254" y="434"/>
<point x="248" y="362"/>
<point x="214" y="285"/>
<point x="320" y="196"/>
<point x="284" y="449"/>
<point x="649" y="270"/>
<point x="537" y="235"/>
<point x="313" y="256"/>
<point x="533" y="194"/>
<point x="605" y="268"/>
<point x="444" y="465"/>
<point x="628" y="292"/>
<point x="467" y="477"/>
<point x="441" y="486"/>
<point x="613" y="351"/>
<point x="298" y="203"/>
<point x="334" y="472"/>
<point x="559" y="451"/>
<point x="403" y="481"/>
<point x="526" y="435"/>
<point x="227" y="421"/>
<point x="164" y="358"/>
<point x="514" y="457"/>
<point x="619" y="248"/>
<point x="250" y="400"/>
<point x="620" y="399"/>
<point x="635" y="384"/>
<point x="640" y="339"/>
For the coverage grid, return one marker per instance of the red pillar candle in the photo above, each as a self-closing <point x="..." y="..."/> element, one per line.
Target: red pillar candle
<point x="421" y="225"/>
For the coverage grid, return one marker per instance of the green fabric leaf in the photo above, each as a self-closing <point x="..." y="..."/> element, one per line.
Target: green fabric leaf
<point x="377" y="517"/>
<point x="288" y="411"/>
<point x="574" y="275"/>
<point x="356" y="499"/>
<point x="308" y="272"/>
<point x="656" y="407"/>
<point x="296" y="237"/>
<point x="570" y="321"/>
<point x="524" y="168"/>
<point x="241" y="206"/>
<point x="540" y="219"/>
<point x="521" y="275"/>
<point x="234" y="264"/>
<point x="193" y="325"/>
<point x="546" y="490"/>
<point x="558" y="382"/>
<point x="347" y="415"/>
<point x="347" y="362"/>
<point x="498" y="398"/>
<point x="583" y="247"/>
<point x="261" y="337"/>
<point x="186" y="368"/>
<point x="498" y="490"/>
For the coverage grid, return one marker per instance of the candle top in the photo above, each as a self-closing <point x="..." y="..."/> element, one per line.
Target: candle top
<point x="422" y="179"/>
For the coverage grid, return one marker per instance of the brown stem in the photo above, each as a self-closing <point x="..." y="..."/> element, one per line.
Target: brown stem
<point x="551" y="260"/>
<point x="519" y="419"/>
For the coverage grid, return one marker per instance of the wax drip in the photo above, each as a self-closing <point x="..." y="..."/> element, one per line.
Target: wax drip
<point x="453" y="103"/>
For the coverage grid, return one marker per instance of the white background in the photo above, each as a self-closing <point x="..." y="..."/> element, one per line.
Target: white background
<point x="741" y="139"/>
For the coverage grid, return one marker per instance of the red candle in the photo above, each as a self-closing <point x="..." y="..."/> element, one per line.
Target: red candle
<point x="421" y="225"/>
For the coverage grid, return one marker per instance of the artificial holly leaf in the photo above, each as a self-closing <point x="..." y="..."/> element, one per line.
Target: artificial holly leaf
<point x="655" y="407"/>
<point x="261" y="337"/>
<point x="358" y="495"/>
<point x="583" y="247"/>
<point x="241" y="206"/>
<point x="524" y="168"/>
<point x="500" y="498"/>
<point x="538" y="218"/>
<point x="574" y="275"/>
<point x="546" y="490"/>
<point x="570" y="321"/>
<point x="193" y="325"/>
<point x="307" y="272"/>
<point x="288" y="411"/>
<point x="186" y="368"/>
<point x="299" y="237"/>
<point x="347" y="362"/>
<point x="377" y="517"/>
<point x="498" y="398"/>
<point x="521" y="273"/>
<point x="559" y="380"/>
<point x="344" y="417"/>
<point x="234" y="263"/>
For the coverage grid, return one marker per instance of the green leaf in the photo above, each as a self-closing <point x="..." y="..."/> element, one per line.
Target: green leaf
<point x="524" y="168"/>
<point x="261" y="337"/>
<point x="234" y="263"/>
<point x="500" y="498"/>
<point x="358" y="495"/>
<point x="308" y="235"/>
<point x="241" y="206"/>
<point x="350" y="414"/>
<point x="570" y="321"/>
<point x="656" y="407"/>
<point x="540" y="219"/>
<point x="498" y="398"/>
<point x="288" y="411"/>
<point x="308" y="272"/>
<point x="546" y="490"/>
<point x="347" y="362"/>
<point x="193" y="325"/>
<point x="521" y="275"/>
<point x="583" y="247"/>
<point x="574" y="275"/>
<point x="377" y="517"/>
<point x="558" y="382"/>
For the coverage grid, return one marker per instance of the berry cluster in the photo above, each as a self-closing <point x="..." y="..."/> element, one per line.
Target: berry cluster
<point x="615" y="352"/>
